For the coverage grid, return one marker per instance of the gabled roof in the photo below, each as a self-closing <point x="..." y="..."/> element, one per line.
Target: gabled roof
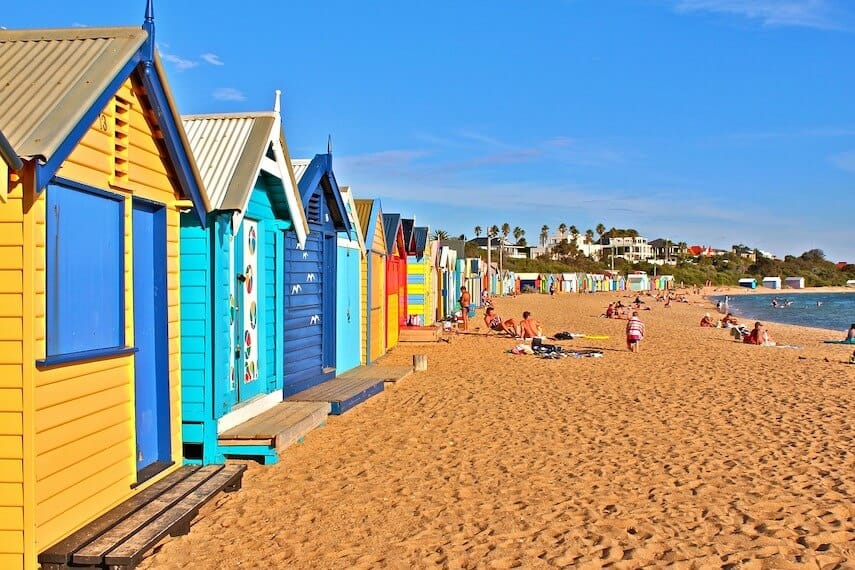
<point x="420" y="236"/>
<point x="370" y="225"/>
<point x="7" y="154"/>
<point x="318" y="172"/>
<point x="231" y="150"/>
<point x="392" y="226"/>
<point x="363" y="210"/>
<point x="407" y="225"/>
<point x="55" y="82"/>
<point x="353" y="215"/>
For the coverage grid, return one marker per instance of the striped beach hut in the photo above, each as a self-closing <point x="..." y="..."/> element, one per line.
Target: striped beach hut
<point x="396" y="277"/>
<point x="419" y="283"/>
<point x="373" y="279"/>
<point x="89" y="278"/>
<point x="232" y="310"/>
<point x="350" y="342"/>
<point x="310" y="278"/>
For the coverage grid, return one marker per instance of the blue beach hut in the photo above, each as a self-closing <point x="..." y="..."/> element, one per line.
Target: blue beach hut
<point x="350" y="343"/>
<point x="232" y="278"/>
<point x="310" y="278"/>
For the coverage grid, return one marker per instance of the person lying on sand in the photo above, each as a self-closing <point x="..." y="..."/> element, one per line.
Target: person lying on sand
<point x="530" y="327"/>
<point x="495" y="323"/>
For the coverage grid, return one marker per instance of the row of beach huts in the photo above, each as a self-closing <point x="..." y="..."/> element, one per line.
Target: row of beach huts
<point x="165" y="279"/>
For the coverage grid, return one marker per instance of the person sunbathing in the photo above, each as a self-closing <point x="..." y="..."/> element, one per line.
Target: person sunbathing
<point x="706" y="321"/>
<point x="496" y="323"/>
<point x="729" y="320"/>
<point x="530" y="327"/>
<point x="759" y="336"/>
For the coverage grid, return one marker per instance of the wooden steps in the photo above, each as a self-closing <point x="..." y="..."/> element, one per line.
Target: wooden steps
<point x="419" y="334"/>
<point x="352" y="387"/>
<point x="268" y="433"/>
<point x="120" y="538"/>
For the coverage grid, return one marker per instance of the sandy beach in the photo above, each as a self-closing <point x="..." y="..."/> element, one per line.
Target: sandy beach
<point x="697" y="452"/>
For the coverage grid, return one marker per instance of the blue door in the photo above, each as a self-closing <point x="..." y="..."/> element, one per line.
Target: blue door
<point x="151" y="362"/>
<point x="329" y="303"/>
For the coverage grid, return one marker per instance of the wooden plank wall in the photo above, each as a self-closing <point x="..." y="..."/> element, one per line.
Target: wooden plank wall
<point x="87" y="409"/>
<point x="11" y="378"/>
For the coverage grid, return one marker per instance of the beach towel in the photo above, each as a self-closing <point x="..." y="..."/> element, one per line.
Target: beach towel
<point x="851" y="341"/>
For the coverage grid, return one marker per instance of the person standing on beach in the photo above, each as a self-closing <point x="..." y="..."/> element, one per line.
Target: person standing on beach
<point x="634" y="332"/>
<point x="465" y="302"/>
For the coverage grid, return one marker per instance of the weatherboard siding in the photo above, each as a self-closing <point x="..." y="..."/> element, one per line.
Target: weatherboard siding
<point x="77" y="404"/>
<point x="12" y="503"/>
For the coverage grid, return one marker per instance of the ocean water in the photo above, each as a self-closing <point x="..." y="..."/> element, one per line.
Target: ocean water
<point x="833" y="311"/>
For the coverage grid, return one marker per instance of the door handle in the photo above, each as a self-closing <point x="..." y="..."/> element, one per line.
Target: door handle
<point x="237" y="352"/>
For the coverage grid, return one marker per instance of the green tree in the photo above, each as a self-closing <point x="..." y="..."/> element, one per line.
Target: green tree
<point x="562" y="229"/>
<point x="589" y="236"/>
<point x="601" y="229"/>
<point x="478" y="231"/>
<point x="518" y="233"/>
<point x="506" y="230"/>
<point x="574" y="233"/>
<point x="440" y="234"/>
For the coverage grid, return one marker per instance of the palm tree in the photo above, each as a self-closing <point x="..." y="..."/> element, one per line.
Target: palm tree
<point x="478" y="231"/>
<point x="601" y="229"/>
<point x="518" y="233"/>
<point x="589" y="236"/>
<point x="494" y="230"/>
<point x="506" y="229"/>
<point x="440" y="234"/>
<point x="574" y="233"/>
<point x="562" y="229"/>
<point x="544" y="234"/>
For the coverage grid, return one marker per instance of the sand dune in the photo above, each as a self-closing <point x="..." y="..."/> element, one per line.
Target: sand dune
<point x="697" y="452"/>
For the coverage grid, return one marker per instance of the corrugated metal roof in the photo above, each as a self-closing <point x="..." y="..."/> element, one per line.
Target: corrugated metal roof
<point x="8" y="155"/>
<point x="51" y="77"/>
<point x="420" y="235"/>
<point x="228" y="150"/>
<point x="363" y="210"/>
<point x="300" y="166"/>
<point x="390" y="225"/>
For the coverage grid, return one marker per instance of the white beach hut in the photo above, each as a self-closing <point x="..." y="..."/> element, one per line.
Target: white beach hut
<point x="569" y="283"/>
<point x="772" y="282"/>
<point x="795" y="282"/>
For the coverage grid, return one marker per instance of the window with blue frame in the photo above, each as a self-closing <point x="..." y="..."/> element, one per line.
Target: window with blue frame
<point x="84" y="270"/>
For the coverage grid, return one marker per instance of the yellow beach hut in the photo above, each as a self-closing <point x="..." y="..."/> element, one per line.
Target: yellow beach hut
<point x="89" y="263"/>
<point x="373" y="279"/>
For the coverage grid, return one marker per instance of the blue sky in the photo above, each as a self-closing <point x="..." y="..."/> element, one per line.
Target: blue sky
<point x="712" y="122"/>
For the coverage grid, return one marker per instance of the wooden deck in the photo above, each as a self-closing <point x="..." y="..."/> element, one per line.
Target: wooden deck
<point x="269" y="433"/>
<point x="419" y="334"/>
<point x="353" y="387"/>
<point x="122" y="536"/>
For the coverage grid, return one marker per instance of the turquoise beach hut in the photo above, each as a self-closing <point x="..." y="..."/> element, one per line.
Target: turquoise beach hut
<point x="310" y="278"/>
<point x="232" y="279"/>
<point x="350" y="343"/>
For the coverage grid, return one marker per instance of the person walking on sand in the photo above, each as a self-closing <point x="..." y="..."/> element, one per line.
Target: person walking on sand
<point x="634" y="332"/>
<point x="465" y="302"/>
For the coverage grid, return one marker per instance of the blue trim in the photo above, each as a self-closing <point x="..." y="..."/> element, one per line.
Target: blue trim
<point x="319" y="168"/>
<point x="101" y="353"/>
<point x="45" y="171"/>
<point x="339" y="407"/>
<point x="77" y="186"/>
<point x="172" y="139"/>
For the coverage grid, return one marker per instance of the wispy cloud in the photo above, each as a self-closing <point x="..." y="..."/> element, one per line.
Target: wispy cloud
<point x="179" y="62"/>
<point x="844" y="161"/>
<point x="212" y="58"/>
<point x="820" y="132"/>
<point x="800" y="13"/>
<point x="228" y="94"/>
